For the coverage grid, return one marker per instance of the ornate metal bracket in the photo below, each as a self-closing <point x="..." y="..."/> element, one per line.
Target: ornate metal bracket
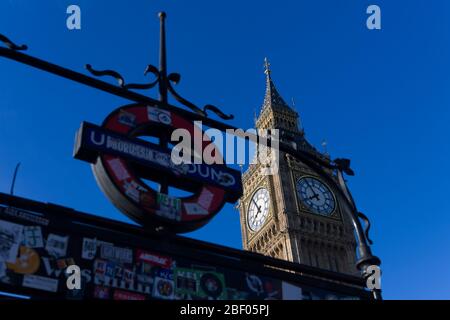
<point x="162" y="79"/>
<point x="171" y="78"/>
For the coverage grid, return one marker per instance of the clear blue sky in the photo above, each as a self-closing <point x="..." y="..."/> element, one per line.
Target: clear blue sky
<point x="380" y="98"/>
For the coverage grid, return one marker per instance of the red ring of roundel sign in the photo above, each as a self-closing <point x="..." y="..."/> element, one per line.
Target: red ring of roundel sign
<point x="198" y="208"/>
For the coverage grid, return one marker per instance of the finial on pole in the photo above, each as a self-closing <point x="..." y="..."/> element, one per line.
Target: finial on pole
<point x="162" y="58"/>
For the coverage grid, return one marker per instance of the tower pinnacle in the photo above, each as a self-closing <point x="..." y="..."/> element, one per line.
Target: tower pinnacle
<point x="272" y="98"/>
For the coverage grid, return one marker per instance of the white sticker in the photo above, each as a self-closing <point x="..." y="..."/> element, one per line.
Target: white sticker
<point x="132" y="192"/>
<point x="10" y="239"/>
<point x="159" y="115"/>
<point x="123" y="255"/>
<point x="41" y="283"/>
<point x="194" y="209"/>
<point x="205" y="198"/>
<point x="89" y="248"/>
<point x="57" y="245"/>
<point x="32" y="237"/>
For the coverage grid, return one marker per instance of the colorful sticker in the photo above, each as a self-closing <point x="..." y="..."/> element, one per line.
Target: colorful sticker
<point x="264" y="287"/>
<point x="127" y="118"/>
<point x="10" y="239"/>
<point x="57" y="245"/>
<point x="132" y="191"/>
<point x="32" y="237"/>
<point x="168" y="207"/>
<point x="125" y="295"/>
<point x="186" y="281"/>
<point x="110" y="270"/>
<point x="110" y="252"/>
<point x="41" y="283"/>
<point x="203" y="284"/>
<point x="163" y="288"/>
<point x="212" y="285"/>
<point x="100" y="267"/>
<point x="28" y="261"/>
<point x="159" y="115"/>
<point x="153" y="259"/>
<point x="89" y="249"/>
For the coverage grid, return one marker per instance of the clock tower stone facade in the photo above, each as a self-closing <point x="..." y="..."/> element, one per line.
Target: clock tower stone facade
<point x="292" y="214"/>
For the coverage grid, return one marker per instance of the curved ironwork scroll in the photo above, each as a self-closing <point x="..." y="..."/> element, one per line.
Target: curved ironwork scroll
<point x="175" y="78"/>
<point x="110" y="73"/>
<point x="11" y="45"/>
<point x="121" y="80"/>
<point x="218" y="112"/>
<point x="149" y="69"/>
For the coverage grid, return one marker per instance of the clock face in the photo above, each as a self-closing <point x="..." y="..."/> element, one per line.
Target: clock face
<point x="258" y="209"/>
<point x="316" y="196"/>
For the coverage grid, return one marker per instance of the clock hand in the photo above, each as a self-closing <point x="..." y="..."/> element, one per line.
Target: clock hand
<point x="257" y="213"/>
<point x="259" y="208"/>
<point x="315" y="194"/>
<point x="253" y="200"/>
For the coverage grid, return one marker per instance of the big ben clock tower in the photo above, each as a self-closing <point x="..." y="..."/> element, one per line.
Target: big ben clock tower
<point x="293" y="214"/>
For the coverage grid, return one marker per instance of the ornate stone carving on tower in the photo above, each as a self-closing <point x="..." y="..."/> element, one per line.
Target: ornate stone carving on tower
<point x="294" y="215"/>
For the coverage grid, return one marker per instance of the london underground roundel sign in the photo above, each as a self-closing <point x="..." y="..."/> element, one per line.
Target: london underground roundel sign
<point x="124" y="161"/>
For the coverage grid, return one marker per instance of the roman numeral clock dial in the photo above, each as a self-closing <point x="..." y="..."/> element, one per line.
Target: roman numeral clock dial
<point x="258" y="209"/>
<point x="316" y="196"/>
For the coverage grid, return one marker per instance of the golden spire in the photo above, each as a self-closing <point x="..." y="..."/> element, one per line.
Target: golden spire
<point x="267" y="67"/>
